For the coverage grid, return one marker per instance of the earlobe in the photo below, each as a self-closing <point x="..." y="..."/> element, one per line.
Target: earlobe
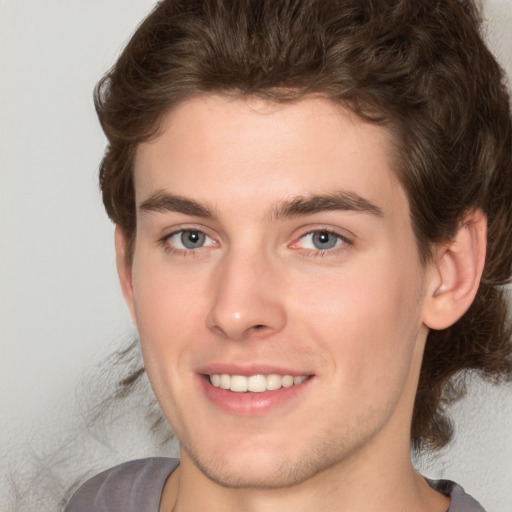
<point x="124" y="270"/>
<point x="456" y="272"/>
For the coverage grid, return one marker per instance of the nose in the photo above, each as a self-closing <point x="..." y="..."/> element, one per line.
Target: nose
<point x="247" y="299"/>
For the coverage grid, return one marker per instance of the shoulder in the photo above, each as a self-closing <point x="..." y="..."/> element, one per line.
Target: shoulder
<point x="460" y="500"/>
<point x="133" y="486"/>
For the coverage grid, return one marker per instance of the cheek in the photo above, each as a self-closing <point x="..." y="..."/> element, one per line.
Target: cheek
<point x="366" y="319"/>
<point x="168" y="307"/>
<point x="167" y="311"/>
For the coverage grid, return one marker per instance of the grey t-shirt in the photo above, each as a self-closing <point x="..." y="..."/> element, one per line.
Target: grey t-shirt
<point x="136" y="486"/>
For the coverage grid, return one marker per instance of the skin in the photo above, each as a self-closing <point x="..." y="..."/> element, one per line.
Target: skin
<point x="354" y="318"/>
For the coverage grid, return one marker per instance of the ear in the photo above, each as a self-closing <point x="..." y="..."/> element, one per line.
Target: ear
<point x="455" y="273"/>
<point x="124" y="269"/>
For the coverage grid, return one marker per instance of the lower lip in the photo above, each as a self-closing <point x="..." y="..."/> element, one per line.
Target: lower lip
<point x="251" y="404"/>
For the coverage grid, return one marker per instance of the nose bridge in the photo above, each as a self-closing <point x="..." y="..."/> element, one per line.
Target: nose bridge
<point x="246" y="295"/>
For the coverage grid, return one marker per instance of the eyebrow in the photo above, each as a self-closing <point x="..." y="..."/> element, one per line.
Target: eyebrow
<point x="339" y="200"/>
<point x="163" y="202"/>
<point x="295" y="207"/>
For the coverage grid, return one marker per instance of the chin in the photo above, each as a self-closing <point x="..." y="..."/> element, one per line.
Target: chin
<point x="264" y="468"/>
<point x="262" y="475"/>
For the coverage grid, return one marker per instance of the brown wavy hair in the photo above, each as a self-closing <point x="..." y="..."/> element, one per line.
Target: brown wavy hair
<point x="417" y="67"/>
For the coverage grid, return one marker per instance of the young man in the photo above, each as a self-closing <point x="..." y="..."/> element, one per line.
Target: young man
<point x="313" y="209"/>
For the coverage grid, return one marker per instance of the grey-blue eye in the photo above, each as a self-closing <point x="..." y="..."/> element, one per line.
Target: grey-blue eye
<point x="324" y="240"/>
<point x="187" y="240"/>
<point x="192" y="239"/>
<point x="321" y="240"/>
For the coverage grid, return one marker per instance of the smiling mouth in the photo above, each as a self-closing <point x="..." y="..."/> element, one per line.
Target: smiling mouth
<point x="255" y="383"/>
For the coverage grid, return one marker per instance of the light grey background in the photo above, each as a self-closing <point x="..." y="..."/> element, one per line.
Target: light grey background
<point x="60" y="307"/>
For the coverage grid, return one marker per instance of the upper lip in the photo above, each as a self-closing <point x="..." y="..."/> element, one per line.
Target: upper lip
<point x="249" y="369"/>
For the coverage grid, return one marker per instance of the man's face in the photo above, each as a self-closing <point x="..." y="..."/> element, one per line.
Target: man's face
<point x="274" y="250"/>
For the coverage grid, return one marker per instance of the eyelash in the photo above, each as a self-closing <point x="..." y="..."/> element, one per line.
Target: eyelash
<point x="342" y="243"/>
<point x="164" y="242"/>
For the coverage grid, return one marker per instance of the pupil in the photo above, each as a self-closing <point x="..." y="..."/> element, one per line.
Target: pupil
<point x="324" y="240"/>
<point x="192" y="239"/>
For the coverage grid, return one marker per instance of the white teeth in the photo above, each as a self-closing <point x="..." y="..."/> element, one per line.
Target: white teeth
<point x="298" y="380"/>
<point x="255" y="383"/>
<point x="274" y="381"/>
<point x="287" y="381"/>
<point x="238" y="383"/>
<point x="224" y="381"/>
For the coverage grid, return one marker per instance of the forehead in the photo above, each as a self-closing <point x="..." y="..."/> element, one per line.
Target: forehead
<point x="217" y="148"/>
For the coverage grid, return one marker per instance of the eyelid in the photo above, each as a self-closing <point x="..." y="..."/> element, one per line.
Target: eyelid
<point x="345" y="236"/>
<point x="164" y="240"/>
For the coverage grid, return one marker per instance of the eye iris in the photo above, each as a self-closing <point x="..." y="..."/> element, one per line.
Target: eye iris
<point x="192" y="239"/>
<point x="324" y="240"/>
